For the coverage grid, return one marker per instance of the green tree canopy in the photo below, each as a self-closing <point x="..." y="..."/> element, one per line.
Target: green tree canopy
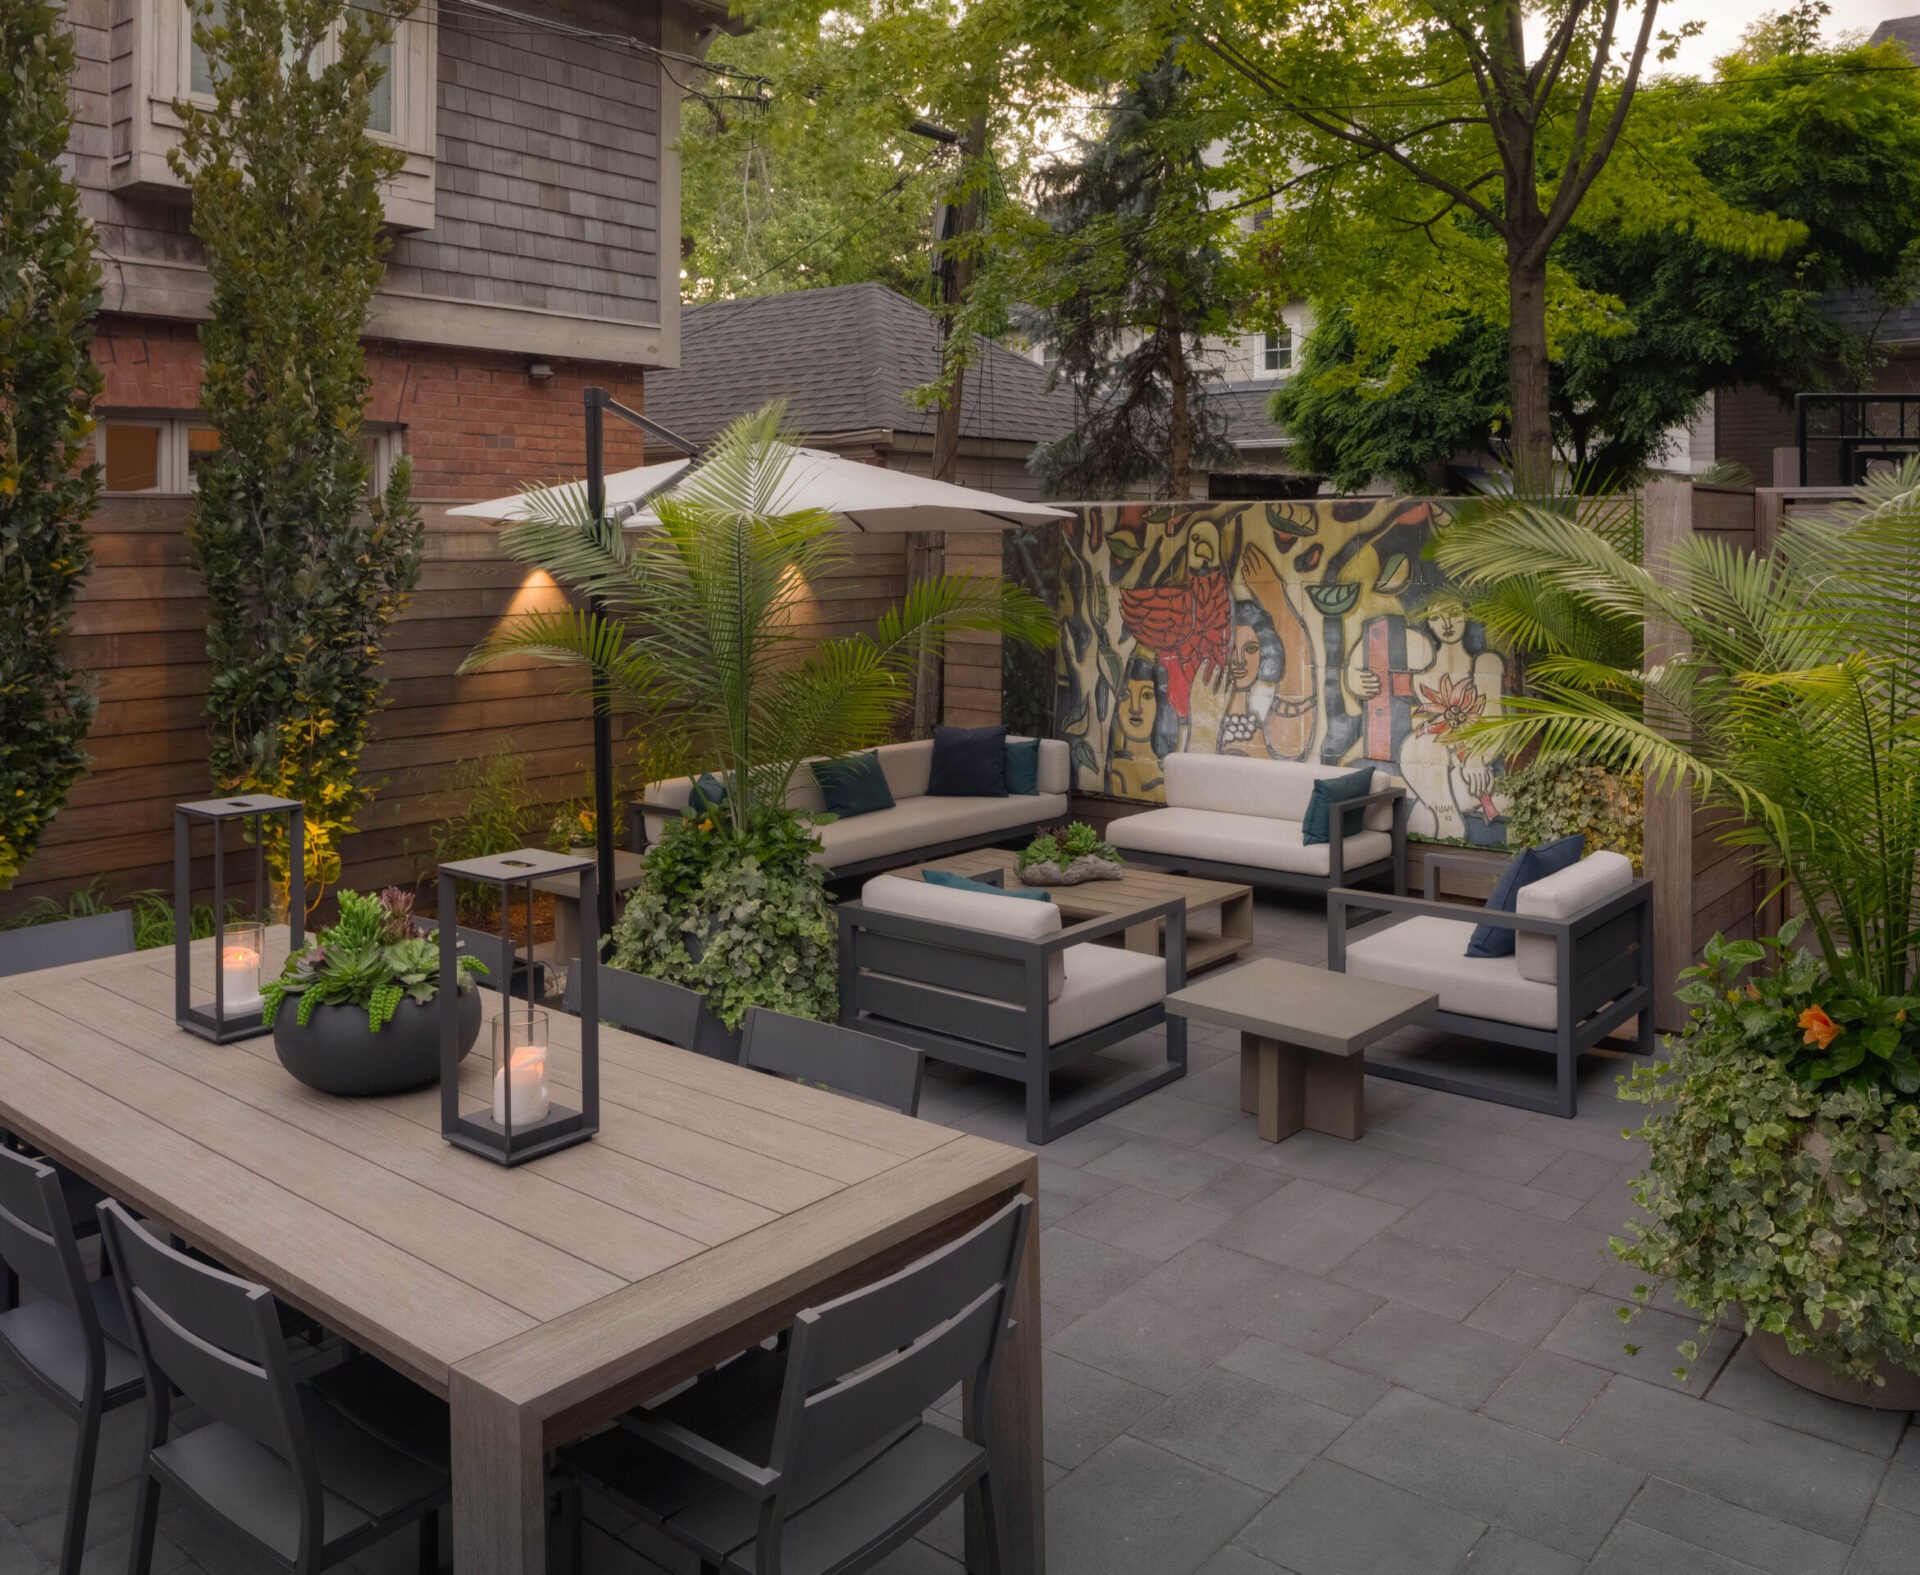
<point x="1131" y="268"/>
<point x="1826" y="143"/>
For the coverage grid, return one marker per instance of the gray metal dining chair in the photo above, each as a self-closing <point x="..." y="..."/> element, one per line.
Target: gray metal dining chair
<point x="816" y="1458"/>
<point x="72" y="1343"/>
<point x="506" y="969"/>
<point x="85" y="939"/>
<point x="668" y="1012"/>
<point x="35" y="946"/>
<point x="300" y="1474"/>
<point x="842" y="1059"/>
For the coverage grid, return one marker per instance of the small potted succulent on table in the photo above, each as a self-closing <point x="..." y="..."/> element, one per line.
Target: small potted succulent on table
<point x="353" y="1012"/>
<point x="1074" y="854"/>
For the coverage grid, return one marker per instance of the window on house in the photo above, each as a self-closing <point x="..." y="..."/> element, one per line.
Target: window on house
<point x="379" y="109"/>
<point x="1276" y="351"/>
<point x="166" y="454"/>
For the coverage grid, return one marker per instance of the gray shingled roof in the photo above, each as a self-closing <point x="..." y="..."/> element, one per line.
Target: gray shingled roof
<point x="844" y="359"/>
<point x="1904" y="30"/>
<point x="1245" y="406"/>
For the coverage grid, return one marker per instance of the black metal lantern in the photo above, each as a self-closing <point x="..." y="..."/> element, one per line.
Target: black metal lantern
<point x="239" y="948"/>
<point x="521" y="1120"/>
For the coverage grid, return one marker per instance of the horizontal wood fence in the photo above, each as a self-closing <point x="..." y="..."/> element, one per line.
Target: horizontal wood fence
<point x="141" y="629"/>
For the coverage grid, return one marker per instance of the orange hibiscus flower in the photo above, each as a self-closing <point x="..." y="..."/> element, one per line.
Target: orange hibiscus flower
<point x="1821" y="1029"/>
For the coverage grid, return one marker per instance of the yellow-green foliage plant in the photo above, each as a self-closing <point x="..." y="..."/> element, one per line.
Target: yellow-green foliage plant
<point x="49" y="292"/>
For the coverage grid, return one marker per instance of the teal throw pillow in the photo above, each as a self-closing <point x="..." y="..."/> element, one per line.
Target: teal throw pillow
<point x="1023" y="765"/>
<point x="709" y="793"/>
<point x="853" y="784"/>
<point x="960" y="883"/>
<point x="1329" y="791"/>
<point x="1526" y="867"/>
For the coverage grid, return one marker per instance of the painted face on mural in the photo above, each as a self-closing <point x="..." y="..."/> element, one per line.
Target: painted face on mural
<point x="1136" y="711"/>
<point x="1448" y="621"/>
<point x="1244" y="663"/>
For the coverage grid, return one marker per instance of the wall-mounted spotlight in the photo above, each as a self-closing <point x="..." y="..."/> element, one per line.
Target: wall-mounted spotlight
<point x="538" y="371"/>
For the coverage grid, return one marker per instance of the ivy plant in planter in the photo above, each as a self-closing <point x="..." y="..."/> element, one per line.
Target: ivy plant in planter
<point x="362" y="1018"/>
<point x="1783" y="1167"/>
<point x="745" y="919"/>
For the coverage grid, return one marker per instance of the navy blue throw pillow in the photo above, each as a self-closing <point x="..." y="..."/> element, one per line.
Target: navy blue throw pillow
<point x="709" y="793"/>
<point x="1023" y="765"/>
<point x="1328" y="791"/>
<point x="955" y="882"/>
<point x="968" y="762"/>
<point x="853" y="784"/>
<point x="1526" y="867"/>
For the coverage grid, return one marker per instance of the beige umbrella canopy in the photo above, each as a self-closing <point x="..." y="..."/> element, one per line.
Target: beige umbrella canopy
<point x="867" y="497"/>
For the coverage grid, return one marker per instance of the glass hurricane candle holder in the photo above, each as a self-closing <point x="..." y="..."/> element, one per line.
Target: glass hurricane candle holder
<point x="520" y="1119"/>
<point x="239" y="946"/>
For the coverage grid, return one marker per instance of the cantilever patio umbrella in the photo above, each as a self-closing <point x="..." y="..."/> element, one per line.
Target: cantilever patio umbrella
<point x="868" y="498"/>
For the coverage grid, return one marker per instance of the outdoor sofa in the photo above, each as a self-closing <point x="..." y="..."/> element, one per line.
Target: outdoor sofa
<point x="919" y="826"/>
<point x="999" y="984"/>
<point x="1229" y="817"/>
<point x="1582" y="965"/>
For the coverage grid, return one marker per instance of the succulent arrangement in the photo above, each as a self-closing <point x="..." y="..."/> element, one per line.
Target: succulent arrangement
<point x="1069" y="856"/>
<point x="375" y="956"/>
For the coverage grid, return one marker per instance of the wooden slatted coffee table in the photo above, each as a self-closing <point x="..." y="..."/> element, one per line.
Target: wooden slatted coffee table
<point x="1137" y="887"/>
<point x="1303" y="1039"/>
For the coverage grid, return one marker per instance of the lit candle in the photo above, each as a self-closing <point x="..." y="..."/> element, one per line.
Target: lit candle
<point x="240" y="978"/>
<point x="525" y="1076"/>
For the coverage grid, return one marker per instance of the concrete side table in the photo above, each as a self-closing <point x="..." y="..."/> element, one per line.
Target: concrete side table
<point x="1303" y="1039"/>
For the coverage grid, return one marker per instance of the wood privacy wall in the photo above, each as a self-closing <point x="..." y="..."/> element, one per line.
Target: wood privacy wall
<point x="971" y="684"/>
<point x="1701" y="887"/>
<point x="141" y="628"/>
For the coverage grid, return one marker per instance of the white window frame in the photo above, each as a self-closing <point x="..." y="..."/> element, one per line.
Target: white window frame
<point x="160" y="36"/>
<point x="1276" y="351"/>
<point x="175" y="472"/>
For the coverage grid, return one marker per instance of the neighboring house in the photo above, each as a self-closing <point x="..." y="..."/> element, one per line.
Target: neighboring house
<point x="527" y="257"/>
<point x="527" y="263"/>
<point x="1251" y="368"/>
<point x="847" y="360"/>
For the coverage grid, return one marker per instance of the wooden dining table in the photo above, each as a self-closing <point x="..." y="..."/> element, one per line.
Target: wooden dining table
<point x="540" y="1301"/>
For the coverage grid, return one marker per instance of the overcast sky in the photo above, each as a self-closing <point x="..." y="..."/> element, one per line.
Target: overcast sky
<point x="1726" y="18"/>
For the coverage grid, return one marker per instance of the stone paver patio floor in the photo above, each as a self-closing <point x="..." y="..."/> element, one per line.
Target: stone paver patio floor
<point x="1392" y="1357"/>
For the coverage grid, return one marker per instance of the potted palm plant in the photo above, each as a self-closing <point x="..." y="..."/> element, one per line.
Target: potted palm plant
<point x="1783" y="1139"/>
<point x="704" y="627"/>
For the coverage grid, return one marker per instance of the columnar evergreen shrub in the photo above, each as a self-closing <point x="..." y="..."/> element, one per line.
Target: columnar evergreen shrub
<point x="304" y="567"/>
<point x="49" y="292"/>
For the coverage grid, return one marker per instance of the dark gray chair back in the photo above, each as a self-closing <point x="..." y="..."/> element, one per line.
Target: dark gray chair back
<point x="65" y="941"/>
<point x="869" y="1364"/>
<point x="845" y="1060"/>
<point x="216" y="1338"/>
<point x="641" y="1005"/>
<point x="36" y="1238"/>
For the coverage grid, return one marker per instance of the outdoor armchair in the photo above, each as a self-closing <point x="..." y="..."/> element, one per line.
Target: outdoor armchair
<point x="999" y="984"/>
<point x="1582" y="967"/>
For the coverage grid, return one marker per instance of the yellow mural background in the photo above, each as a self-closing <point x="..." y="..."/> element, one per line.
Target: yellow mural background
<point x="1306" y="630"/>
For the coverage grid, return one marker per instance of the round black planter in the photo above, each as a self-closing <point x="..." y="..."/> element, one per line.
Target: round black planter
<point x="338" y="1054"/>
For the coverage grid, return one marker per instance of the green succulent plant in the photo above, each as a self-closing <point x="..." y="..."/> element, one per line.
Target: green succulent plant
<point x="357" y="962"/>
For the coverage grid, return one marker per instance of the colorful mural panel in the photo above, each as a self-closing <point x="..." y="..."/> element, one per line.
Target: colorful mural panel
<point x="1308" y="630"/>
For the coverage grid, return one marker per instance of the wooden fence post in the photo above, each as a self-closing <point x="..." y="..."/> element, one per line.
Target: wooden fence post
<point x="1668" y="809"/>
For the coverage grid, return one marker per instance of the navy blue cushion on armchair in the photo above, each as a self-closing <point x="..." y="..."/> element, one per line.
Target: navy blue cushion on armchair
<point x="1526" y="867"/>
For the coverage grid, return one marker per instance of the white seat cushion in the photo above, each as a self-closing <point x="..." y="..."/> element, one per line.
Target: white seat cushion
<point x="916" y="823"/>
<point x="1020" y="918"/>
<point x="1428" y="953"/>
<point x="1104" y="984"/>
<point x="1563" y="895"/>
<point x="1268" y="789"/>
<point x="1254" y="840"/>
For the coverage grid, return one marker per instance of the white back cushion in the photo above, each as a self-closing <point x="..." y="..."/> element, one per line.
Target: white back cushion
<point x="1056" y="766"/>
<point x="907" y="767"/>
<point x="1277" y="789"/>
<point x="1019" y="917"/>
<point x="1571" y="891"/>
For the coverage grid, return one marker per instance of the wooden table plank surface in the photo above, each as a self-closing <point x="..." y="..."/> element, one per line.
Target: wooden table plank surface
<point x="713" y="1204"/>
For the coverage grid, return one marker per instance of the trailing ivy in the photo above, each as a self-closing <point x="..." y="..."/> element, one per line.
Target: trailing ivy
<point x="49" y="292"/>
<point x="304" y="567"/>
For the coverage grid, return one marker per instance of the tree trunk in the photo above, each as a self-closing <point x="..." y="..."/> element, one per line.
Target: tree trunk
<point x="1179" y="410"/>
<point x="1531" y="440"/>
